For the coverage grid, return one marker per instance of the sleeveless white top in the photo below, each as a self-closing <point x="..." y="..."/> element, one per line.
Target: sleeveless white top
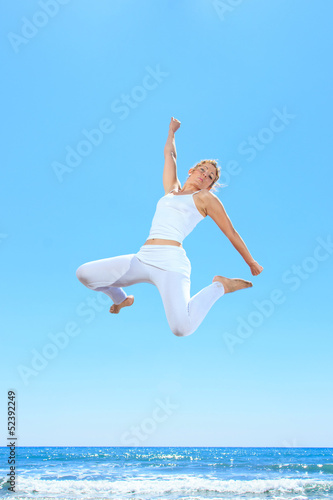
<point x="175" y="217"/>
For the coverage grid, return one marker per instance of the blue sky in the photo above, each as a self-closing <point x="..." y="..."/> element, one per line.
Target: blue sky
<point x="251" y="85"/>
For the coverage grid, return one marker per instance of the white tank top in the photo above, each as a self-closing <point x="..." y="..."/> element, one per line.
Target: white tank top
<point x="175" y="217"/>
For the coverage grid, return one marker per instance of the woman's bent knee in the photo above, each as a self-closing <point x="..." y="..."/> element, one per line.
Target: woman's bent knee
<point x="181" y="331"/>
<point x="179" y="323"/>
<point x="82" y="275"/>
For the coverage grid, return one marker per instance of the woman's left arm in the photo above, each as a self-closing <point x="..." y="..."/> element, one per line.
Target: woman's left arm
<point x="216" y="211"/>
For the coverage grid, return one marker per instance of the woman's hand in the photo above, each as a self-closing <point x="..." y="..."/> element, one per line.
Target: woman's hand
<point x="174" y="124"/>
<point x="255" y="268"/>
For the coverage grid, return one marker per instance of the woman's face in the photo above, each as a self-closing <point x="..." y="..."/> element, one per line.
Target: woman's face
<point x="204" y="175"/>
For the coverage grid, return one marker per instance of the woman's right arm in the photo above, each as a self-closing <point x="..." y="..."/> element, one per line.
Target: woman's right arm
<point x="216" y="211"/>
<point x="170" y="179"/>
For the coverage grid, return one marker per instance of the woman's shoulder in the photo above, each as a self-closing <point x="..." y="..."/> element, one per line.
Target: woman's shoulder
<point x="205" y="195"/>
<point x="203" y="200"/>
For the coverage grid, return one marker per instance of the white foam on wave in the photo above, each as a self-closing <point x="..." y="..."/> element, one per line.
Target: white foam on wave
<point x="150" y="487"/>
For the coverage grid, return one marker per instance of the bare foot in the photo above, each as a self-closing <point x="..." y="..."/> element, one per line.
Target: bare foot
<point x="115" y="308"/>
<point x="232" y="284"/>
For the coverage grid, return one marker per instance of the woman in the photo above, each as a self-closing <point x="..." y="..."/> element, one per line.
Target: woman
<point x="162" y="261"/>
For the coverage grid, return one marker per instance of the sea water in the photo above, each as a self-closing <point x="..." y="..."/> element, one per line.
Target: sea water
<point x="158" y="473"/>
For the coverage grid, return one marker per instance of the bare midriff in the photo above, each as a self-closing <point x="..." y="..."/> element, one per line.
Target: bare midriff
<point x="158" y="241"/>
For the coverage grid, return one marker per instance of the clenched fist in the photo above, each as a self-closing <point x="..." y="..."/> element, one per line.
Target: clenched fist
<point x="174" y="124"/>
<point x="255" y="268"/>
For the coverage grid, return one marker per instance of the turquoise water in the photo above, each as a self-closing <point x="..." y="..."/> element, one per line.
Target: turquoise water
<point x="170" y="473"/>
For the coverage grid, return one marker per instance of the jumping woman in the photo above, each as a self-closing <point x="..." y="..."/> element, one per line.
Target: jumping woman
<point x="162" y="260"/>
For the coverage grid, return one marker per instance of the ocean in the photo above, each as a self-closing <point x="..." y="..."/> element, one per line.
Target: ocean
<point x="158" y="473"/>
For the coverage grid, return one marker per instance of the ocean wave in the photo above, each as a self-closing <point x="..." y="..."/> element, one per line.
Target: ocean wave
<point x="171" y="487"/>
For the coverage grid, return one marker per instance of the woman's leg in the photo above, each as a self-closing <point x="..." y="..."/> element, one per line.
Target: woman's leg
<point x="110" y="275"/>
<point x="184" y="314"/>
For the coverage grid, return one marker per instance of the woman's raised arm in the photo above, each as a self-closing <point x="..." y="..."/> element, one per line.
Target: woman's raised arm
<point x="170" y="179"/>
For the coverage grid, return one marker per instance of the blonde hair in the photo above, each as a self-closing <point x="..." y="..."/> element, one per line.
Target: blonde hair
<point x="218" y="171"/>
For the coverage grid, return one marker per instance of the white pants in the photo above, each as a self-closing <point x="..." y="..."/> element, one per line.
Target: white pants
<point x="184" y="314"/>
